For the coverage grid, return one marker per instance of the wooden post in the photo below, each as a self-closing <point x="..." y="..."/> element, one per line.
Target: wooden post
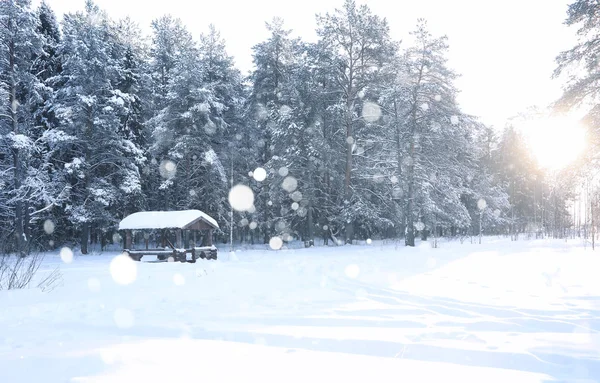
<point x="195" y="238"/>
<point x="178" y="238"/>
<point x="128" y="239"/>
<point x="209" y="241"/>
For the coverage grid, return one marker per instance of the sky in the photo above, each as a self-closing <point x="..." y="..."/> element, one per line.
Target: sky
<point x="504" y="50"/>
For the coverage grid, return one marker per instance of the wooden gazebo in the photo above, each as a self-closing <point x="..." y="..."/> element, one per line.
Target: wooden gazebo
<point x="186" y="224"/>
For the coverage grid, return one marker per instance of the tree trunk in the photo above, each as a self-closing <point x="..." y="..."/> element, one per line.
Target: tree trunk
<point x="410" y="224"/>
<point x="347" y="193"/>
<point x="20" y="238"/>
<point x="349" y="226"/>
<point x="265" y="189"/>
<point x="424" y="234"/>
<point x="311" y="233"/>
<point x="85" y="233"/>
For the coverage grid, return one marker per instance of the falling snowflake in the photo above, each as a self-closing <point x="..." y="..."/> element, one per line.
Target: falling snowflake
<point x="295" y="206"/>
<point x="259" y="174"/>
<point x="371" y="112"/>
<point x="261" y="112"/>
<point x="289" y="184"/>
<point x="66" y="255"/>
<point x="296" y="196"/>
<point x="48" y="226"/>
<point x="454" y="120"/>
<point x="167" y="169"/>
<point x="283" y="171"/>
<point x="123" y="269"/>
<point x="350" y="140"/>
<point x="241" y="197"/>
<point x="369" y="241"/>
<point x="253" y="225"/>
<point x="210" y="128"/>
<point x="301" y="212"/>
<point x="276" y="243"/>
<point x="424" y="106"/>
<point x="419" y="226"/>
<point x="438" y="97"/>
<point x="280" y="226"/>
<point x="287" y="237"/>
<point x="481" y="204"/>
<point x="352" y="271"/>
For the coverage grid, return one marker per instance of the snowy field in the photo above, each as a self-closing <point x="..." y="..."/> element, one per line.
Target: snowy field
<point x="526" y="311"/>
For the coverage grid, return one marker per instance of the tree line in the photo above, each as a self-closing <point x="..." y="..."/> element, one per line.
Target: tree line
<point x="360" y="136"/>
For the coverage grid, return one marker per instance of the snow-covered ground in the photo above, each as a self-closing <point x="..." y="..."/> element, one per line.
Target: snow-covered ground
<point x="525" y="311"/>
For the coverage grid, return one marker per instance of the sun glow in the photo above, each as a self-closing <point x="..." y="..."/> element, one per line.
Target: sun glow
<point x="555" y="141"/>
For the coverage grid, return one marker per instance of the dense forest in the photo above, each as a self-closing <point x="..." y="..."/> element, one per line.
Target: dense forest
<point x="352" y="137"/>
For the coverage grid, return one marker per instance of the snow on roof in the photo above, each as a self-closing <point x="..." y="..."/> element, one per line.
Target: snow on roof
<point x="165" y="220"/>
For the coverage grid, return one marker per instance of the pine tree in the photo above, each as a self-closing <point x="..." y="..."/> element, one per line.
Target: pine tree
<point x="184" y="129"/>
<point x="358" y="47"/>
<point x="168" y="37"/>
<point x="579" y="65"/>
<point x="486" y="198"/>
<point x="19" y="92"/>
<point x="47" y="64"/>
<point x="517" y="169"/>
<point x="433" y="138"/>
<point x="102" y="166"/>
<point x="224" y="82"/>
<point x="269" y="107"/>
<point x="130" y="54"/>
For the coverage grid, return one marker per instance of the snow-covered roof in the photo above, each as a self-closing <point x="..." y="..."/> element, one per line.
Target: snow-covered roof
<point x="165" y="220"/>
